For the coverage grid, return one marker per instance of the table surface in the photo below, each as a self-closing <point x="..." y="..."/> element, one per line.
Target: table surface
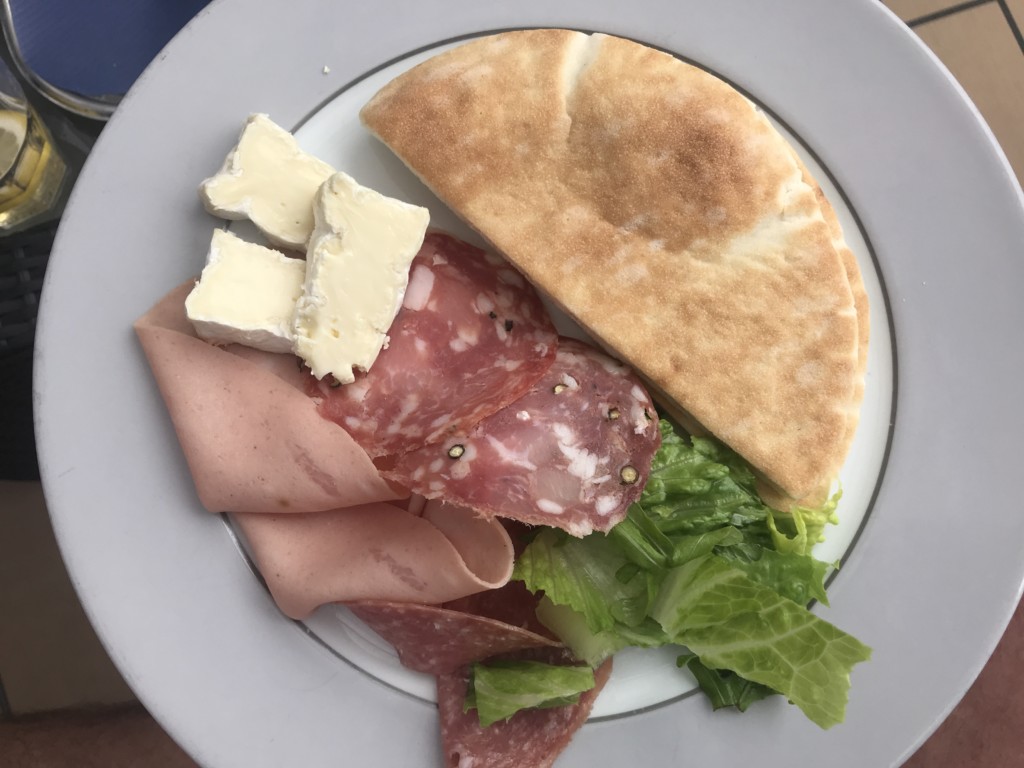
<point x="50" y="660"/>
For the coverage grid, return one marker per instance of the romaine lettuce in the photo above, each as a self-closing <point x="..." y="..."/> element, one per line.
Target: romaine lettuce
<point x="499" y="689"/>
<point x="701" y="561"/>
<point x="731" y="622"/>
<point x="594" y="647"/>
<point x="587" y="575"/>
<point x="802" y="527"/>
<point x="725" y="688"/>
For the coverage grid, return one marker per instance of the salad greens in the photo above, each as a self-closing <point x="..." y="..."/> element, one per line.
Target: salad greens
<point x="732" y="622"/>
<point x="725" y="688"/>
<point x="499" y="689"/>
<point x="700" y="561"/>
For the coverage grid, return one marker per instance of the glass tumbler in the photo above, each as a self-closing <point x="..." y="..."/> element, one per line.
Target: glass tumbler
<point x="32" y="172"/>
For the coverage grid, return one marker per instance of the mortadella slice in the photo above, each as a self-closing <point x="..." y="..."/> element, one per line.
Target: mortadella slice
<point x="472" y="336"/>
<point x="574" y="452"/>
<point x="437" y="640"/>
<point x="376" y="552"/>
<point x="531" y="738"/>
<point x="254" y="442"/>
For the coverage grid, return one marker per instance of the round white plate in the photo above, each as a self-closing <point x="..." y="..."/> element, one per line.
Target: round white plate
<point x="640" y="678"/>
<point x="936" y="569"/>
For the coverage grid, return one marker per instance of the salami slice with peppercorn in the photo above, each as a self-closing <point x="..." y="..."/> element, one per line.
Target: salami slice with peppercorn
<point x="574" y="452"/>
<point x="472" y="336"/>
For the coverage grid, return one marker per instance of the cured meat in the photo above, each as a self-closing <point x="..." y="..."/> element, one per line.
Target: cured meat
<point x="438" y="640"/>
<point x="512" y="604"/>
<point x="376" y="552"/>
<point x="471" y="337"/>
<point x="574" y="452"/>
<point x="253" y="441"/>
<point x="531" y="738"/>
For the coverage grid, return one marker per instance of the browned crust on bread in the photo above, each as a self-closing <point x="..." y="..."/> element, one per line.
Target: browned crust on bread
<point x="662" y="211"/>
<point x="857" y="288"/>
<point x="771" y="495"/>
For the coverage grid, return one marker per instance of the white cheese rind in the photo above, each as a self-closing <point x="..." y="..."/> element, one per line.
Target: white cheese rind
<point x="269" y="180"/>
<point x="246" y="295"/>
<point x="357" y="270"/>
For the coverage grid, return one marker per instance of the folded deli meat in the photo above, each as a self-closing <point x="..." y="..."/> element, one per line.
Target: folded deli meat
<point x="468" y="394"/>
<point x="376" y="552"/>
<point x="474" y="379"/>
<point x="253" y="440"/>
<point x="660" y="208"/>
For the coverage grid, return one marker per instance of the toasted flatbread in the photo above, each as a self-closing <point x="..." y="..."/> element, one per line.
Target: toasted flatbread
<point x="770" y="494"/>
<point x="659" y="208"/>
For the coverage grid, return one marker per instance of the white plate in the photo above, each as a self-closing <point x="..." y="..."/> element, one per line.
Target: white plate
<point x="640" y="679"/>
<point x="934" y="574"/>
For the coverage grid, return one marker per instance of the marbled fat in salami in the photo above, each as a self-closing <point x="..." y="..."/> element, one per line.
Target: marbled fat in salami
<point x="438" y="640"/>
<point x="472" y="336"/>
<point x="531" y="738"/>
<point x="574" y="452"/>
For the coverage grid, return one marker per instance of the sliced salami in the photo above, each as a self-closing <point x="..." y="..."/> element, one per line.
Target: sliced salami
<point x="472" y="336"/>
<point x="574" y="452"/>
<point x="512" y="604"/>
<point x="531" y="738"/>
<point x="439" y="640"/>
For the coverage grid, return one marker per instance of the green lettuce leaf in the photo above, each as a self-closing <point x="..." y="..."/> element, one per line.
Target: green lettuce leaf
<point x="698" y="485"/>
<point x="687" y="548"/>
<point x="591" y="575"/>
<point x="594" y="647"/>
<point x="701" y="561"/>
<point x="797" y="577"/>
<point x="802" y="527"/>
<point x="725" y="688"/>
<point x="499" y="689"/>
<point x="733" y="623"/>
<point x="641" y="541"/>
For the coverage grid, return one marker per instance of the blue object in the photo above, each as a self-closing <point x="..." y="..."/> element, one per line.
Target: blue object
<point x="96" y="47"/>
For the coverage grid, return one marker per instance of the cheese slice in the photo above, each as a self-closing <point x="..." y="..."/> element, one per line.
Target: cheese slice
<point x="246" y="295"/>
<point x="356" y="275"/>
<point x="268" y="179"/>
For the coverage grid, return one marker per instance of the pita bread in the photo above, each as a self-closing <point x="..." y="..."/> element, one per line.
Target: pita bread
<point x="770" y="494"/>
<point x="660" y="209"/>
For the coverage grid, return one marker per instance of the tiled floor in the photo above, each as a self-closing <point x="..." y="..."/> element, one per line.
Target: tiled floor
<point x="983" y="52"/>
<point x="49" y="656"/>
<point x="915" y="11"/>
<point x="51" y="660"/>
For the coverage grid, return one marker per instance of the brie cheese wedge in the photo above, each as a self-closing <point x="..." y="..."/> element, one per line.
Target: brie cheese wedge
<point x="268" y="179"/>
<point x="357" y="270"/>
<point x="246" y="295"/>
